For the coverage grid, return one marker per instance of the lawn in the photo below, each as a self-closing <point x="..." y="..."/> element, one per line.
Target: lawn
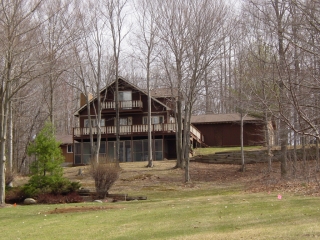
<point x="220" y="203"/>
<point x="212" y="150"/>
<point x="197" y="214"/>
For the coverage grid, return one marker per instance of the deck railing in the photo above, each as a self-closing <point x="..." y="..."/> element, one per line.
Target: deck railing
<point x="135" y="129"/>
<point x="123" y="104"/>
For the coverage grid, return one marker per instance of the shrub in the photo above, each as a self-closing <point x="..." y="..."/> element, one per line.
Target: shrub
<point x="49" y="185"/>
<point x="104" y="175"/>
<point x="47" y="151"/>
<point x="14" y="195"/>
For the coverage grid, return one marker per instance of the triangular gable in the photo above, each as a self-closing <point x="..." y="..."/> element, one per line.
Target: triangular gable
<point x="131" y="85"/>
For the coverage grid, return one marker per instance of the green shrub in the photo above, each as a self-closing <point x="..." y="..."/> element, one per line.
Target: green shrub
<point x="50" y="185"/>
<point x="47" y="152"/>
<point x="46" y="169"/>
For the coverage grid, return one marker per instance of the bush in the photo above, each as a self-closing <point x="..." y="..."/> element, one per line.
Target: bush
<point x="14" y="195"/>
<point x="104" y="175"/>
<point x="49" y="185"/>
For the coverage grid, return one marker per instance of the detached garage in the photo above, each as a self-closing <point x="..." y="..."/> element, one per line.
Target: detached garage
<point x="224" y="129"/>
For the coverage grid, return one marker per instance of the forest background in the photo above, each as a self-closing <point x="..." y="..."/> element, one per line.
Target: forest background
<point x="258" y="57"/>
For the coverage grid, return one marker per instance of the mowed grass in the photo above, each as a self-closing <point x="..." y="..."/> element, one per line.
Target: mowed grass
<point x="194" y="214"/>
<point x="174" y="210"/>
<point x="213" y="150"/>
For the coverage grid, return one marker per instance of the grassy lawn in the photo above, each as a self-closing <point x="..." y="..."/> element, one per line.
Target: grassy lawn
<point x="226" y="213"/>
<point x="218" y="206"/>
<point x="212" y="150"/>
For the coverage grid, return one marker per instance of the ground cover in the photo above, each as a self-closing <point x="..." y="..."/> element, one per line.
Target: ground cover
<point x="198" y="214"/>
<point x="219" y="203"/>
<point x="212" y="150"/>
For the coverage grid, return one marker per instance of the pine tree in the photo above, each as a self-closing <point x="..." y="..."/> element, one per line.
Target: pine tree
<point x="48" y="155"/>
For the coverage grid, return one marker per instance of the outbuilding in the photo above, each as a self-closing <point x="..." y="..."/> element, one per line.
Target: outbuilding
<point x="225" y="129"/>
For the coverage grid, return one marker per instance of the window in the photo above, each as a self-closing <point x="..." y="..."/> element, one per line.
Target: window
<point x="154" y="120"/>
<point x="69" y="148"/>
<point x="124" y="121"/>
<point x="94" y="123"/>
<point x="125" y="99"/>
<point x="125" y="96"/>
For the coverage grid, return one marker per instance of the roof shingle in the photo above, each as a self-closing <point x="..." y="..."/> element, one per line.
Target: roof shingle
<point x="215" y="118"/>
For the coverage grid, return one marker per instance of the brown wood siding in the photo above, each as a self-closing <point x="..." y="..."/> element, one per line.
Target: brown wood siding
<point x="228" y="134"/>
<point x="68" y="156"/>
<point x="155" y="106"/>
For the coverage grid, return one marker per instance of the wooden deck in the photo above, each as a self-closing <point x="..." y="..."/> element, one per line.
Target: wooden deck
<point x="123" y="105"/>
<point x="163" y="128"/>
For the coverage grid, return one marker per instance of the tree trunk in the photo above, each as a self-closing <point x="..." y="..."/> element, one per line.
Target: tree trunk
<point x="268" y="141"/>
<point x="150" y="160"/>
<point x="10" y="142"/>
<point x="180" y="162"/>
<point x="317" y="155"/>
<point x="243" y="165"/>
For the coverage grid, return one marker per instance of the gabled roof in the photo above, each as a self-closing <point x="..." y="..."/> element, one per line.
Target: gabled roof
<point x="130" y="84"/>
<point x="164" y="92"/>
<point x="218" y="118"/>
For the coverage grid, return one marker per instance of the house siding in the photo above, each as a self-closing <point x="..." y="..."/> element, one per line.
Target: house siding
<point x="228" y="134"/>
<point x="134" y="133"/>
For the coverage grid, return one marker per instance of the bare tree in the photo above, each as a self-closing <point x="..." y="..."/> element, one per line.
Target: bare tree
<point x="192" y="34"/>
<point x="147" y="39"/>
<point x="18" y="27"/>
<point x="55" y="41"/>
<point x="275" y="15"/>
<point x="115" y="15"/>
<point x="92" y="65"/>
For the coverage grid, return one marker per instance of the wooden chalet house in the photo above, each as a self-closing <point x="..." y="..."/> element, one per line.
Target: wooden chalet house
<point x="133" y="111"/>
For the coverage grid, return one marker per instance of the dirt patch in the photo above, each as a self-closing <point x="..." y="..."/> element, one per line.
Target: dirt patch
<point x="82" y="209"/>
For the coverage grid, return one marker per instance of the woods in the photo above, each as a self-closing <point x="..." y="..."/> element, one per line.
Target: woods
<point x="256" y="57"/>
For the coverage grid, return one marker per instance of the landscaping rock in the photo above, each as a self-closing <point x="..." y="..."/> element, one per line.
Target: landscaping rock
<point x="29" y="201"/>
<point x="97" y="201"/>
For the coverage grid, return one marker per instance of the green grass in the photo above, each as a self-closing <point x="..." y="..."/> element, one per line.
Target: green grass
<point x="212" y="150"/>
<point x="224" y="213"/>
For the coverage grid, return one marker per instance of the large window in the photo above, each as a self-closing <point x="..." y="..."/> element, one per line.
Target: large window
<point x="154" y="120"/>
<point x="125" y="96"/>
<point x="94" y="123"/>
<point x="124" y="121"/>
<point x="125" y="99"/>
<point x="140" y="149"/>
<point x="82" y="152"/>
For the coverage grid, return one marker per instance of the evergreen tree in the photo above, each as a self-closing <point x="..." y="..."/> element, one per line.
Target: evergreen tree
<point x="48" y="155"/>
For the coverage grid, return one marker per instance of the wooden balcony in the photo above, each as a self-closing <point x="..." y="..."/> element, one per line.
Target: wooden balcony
<point x="123" y="105"/>
<point x="137" y="129"/>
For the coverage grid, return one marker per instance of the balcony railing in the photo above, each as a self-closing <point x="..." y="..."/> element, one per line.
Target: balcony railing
<point x="123" y="104"/>
<point x="136" y="129"/>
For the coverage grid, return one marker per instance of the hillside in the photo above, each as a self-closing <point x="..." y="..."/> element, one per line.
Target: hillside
<point x="136" y="179"/>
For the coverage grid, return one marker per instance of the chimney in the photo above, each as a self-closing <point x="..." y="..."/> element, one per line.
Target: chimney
<point x="83" y="99"/>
